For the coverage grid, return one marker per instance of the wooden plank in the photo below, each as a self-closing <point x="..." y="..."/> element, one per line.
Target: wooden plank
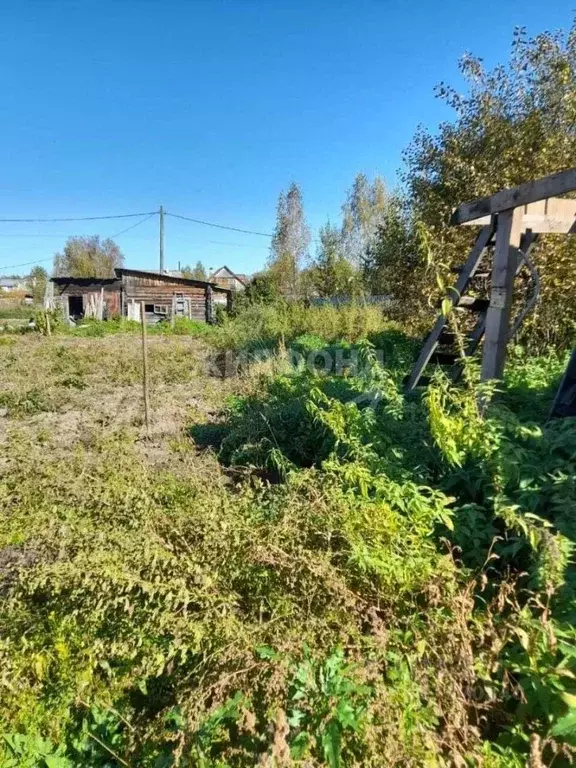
<point x="504" y="267"/>
<point x="527" y="242"/>
<point x="470" y="267"/>
<point x="549" y="186"/>
<point x="554" y="215"/>
<point x="209" y="304"/>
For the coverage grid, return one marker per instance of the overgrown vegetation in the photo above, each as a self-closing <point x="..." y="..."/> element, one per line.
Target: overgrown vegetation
<point x="511" y="124"/>
<point x="369" y="579"/>
<point x="300" y="565"/>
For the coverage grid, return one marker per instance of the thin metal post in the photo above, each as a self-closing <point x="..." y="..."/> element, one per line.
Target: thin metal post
<point x="145" y="369"/>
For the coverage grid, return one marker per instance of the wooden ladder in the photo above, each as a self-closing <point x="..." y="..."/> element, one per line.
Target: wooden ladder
<point x="440" y="346"/>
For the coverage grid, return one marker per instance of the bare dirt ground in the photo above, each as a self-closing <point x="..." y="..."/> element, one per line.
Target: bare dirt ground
<point x="64" y="392"/>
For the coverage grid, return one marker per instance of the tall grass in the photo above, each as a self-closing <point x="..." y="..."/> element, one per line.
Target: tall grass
<point x="256" y="326"/>
<point x="267" y="325"/>
<point x="373" y="579"/>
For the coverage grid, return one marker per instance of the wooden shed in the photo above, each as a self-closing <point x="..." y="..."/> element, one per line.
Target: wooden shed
<point x="164" y="296"/>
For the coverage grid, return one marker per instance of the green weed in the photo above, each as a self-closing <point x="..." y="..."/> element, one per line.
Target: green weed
<point x="401" y="593"/>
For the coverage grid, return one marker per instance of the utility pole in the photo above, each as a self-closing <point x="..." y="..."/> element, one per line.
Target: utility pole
<point x="161" y="239"/>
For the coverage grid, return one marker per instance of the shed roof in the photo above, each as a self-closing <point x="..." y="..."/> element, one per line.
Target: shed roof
<point x="235" y="275"/>
<point x="120" y="271"/>
<point x="85" y="281"/>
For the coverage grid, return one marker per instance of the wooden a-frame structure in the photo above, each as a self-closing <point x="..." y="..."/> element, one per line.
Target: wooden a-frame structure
<point x="511" y="221"/>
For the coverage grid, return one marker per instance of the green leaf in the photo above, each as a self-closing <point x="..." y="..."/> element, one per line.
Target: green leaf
<point x="446" y="520"/>
<point x="299" y="745"/>
<point x="566" y="726"/>
<point x="55" y="761"/>
<point x="347" y="715"/>
<point x="570" y="699"/>
<point x="295" y="719"/>
<point x="331" y="744"/>
<point x="446" y="307"/>
<point x="265" y="652"/>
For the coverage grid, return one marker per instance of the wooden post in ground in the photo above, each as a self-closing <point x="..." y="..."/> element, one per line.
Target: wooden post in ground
<point x="504" y="266"/>
<point x="48" y="329"/>
<point x="145" y="370"/>
<point x="208" y="302"/>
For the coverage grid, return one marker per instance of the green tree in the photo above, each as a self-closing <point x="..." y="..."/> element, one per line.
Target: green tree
<point x="362" y="214"/>
<point x="199" y="271"/>
<point x="37" y="281"/>
<point x="88" y="257"/>
<point x="393" y="265"/>
<point x="196" y="273"/>
<point x="331" y="274"/>
<point x="515" y="123"/>
<point x="262" y="289"/>
<point x="290" y="242"/>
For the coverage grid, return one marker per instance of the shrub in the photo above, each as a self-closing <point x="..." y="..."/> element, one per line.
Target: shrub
<point x="375" y="580"/>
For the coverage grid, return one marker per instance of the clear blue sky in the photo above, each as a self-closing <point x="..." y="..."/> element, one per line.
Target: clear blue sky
<point x="211" y="108"/>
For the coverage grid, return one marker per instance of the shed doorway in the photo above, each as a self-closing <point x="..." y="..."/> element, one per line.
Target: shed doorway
<point x="75" y="307"/>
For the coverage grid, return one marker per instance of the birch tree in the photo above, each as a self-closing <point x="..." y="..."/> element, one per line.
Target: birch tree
<point x="362" y="213"/>
<point x="290" y="242"/>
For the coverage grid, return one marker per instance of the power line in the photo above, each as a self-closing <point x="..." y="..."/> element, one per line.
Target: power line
<point x="234" y="245"/>
<point x="202" y="243"/>
<point x="50" y="258"/>
<point x="26" y="263"/>
<point x="218" y="226"/>
<point x="149" y="214"/>
<point x="63" y="236"/>
<point x="81" y="218"/>
<point x="133" y="226"/>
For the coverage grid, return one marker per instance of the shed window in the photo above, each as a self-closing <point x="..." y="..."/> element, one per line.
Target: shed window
<point x="160" y="309"/>
<point x="148" y="307"/>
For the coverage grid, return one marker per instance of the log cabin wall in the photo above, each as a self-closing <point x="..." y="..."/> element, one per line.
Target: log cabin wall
<point x="83" y="293"/>
<point x="163" y="296"/>
<point x="158" y="291"/>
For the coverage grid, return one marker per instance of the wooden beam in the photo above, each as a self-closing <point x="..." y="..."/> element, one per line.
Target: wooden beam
<point x="539" y="189"/>
<point x="556" y="214"/>
<point x="504" y="266"/>
<point x="455" y="293"/>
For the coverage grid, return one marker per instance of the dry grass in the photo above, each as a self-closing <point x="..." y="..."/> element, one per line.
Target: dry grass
<point x="64" y="391"/>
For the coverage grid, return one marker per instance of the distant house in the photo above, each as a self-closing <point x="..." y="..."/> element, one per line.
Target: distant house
<point x="164" y="296"/>
<point x="8" y="284"/>
<point x="225" y="278"/>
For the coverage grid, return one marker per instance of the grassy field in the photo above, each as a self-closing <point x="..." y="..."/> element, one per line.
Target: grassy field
<point x="68" y="393"/>
<point x="294" y="567"/>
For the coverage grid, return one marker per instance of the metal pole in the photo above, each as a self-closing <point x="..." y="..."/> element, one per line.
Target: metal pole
<point x="145" y="369"/>
<point x="161" y="239"/>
